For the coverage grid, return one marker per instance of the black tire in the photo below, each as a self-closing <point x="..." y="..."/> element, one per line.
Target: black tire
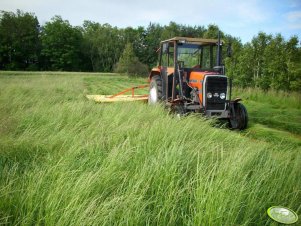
<point x="238" y="118"/>
<point x="155" y="90"/>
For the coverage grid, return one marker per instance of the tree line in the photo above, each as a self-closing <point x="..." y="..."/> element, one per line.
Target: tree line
<point x="268" y="61"/>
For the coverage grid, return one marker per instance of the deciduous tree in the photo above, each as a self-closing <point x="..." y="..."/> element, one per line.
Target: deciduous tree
<point x="19" y="41"/>
<point x="61" y="45"/>
<point x="129" y="63"/>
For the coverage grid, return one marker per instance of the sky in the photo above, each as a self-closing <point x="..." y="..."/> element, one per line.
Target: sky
<point x="243" y="19"/>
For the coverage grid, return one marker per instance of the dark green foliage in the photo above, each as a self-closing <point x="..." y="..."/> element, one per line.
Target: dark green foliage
<point x="61" y="45"/>
<point x="212" y="31"/>
<point x="104" y="45"/>
<point x="267" y="62"/>
<point x="19" y="41"/>
<point x="129" y="63"/>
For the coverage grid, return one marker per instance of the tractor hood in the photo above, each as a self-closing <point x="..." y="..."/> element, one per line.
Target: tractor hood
<point x="211" y="83"/>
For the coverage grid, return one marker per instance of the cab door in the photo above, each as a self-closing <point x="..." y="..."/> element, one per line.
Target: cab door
<point x="167" y="67"/>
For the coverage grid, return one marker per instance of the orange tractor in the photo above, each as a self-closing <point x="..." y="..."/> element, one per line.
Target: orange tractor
<point x="191" y="78"/>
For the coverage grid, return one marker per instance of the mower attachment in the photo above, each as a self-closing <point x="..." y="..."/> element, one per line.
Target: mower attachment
<point x="120" y="97"/>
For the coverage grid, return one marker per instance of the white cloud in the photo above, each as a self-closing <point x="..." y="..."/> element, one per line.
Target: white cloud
<point x="294" y="16"/>
<point x="293" y="20"/>
<point x="296" y="26"/>
<point x="132" y="12"/>
<point x="251" y="12"/>
<point x="239" y="18"/>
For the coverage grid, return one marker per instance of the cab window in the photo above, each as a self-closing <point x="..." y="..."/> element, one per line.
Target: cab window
<point x="167" y="59"/>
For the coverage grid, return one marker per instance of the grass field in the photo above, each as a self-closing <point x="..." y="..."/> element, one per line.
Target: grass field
<point x="65" y="160"/>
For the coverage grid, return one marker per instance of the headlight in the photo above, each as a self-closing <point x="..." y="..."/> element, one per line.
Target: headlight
<point x="209" y="95"/>
<point x="222" y="96"/>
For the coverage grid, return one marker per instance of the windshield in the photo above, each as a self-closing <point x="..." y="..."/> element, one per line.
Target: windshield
<point x="189" y="54"/>
<point x="193" y="55"/>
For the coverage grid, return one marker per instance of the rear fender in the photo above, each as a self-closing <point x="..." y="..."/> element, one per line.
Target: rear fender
<point x="154" y="71"/>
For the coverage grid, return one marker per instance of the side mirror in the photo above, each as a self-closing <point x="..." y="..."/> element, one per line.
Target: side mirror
<point x="229" y="50"/>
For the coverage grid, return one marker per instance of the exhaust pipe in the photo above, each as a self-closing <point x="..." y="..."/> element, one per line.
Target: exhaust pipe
<point x="218" y="55"/>
<point x="219" y="67"/>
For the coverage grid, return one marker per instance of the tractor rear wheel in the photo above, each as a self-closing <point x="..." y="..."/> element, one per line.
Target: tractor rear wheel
<point x="155" y="90"/>
<point x="238" y="118"/>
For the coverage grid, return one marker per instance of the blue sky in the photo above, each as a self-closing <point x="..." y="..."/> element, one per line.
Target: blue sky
<point x="242" y="19"/>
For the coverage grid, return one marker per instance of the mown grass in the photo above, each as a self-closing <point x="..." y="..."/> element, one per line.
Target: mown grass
<point x="275" y="116"/>
<point x="278" y="110"/>
<point x="65" y="160"/>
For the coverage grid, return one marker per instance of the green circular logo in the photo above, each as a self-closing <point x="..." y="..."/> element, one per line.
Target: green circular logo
<point x="282" y="215"/>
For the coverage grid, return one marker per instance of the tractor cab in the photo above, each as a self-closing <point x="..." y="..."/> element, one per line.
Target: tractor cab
<point x="191" y="53"/>
<point x="190" y="78"/>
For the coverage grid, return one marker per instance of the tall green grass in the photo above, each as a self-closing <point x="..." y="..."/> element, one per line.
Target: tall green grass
<point x="279" y="99"/>
<point x="275" y="109"/>
<point x="66" y="160"/>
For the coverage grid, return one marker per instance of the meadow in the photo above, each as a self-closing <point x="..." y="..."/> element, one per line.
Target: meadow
<point x="65" y="160"/>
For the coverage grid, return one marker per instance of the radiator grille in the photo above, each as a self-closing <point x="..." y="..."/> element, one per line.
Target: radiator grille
<point x="216" y="85"/>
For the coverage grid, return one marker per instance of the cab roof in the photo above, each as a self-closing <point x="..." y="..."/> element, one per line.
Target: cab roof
<point x="200" y="41"/>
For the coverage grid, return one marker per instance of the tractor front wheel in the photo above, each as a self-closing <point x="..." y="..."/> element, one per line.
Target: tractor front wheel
<point x="155" y="90"/>
<point x="238" y="116"/>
